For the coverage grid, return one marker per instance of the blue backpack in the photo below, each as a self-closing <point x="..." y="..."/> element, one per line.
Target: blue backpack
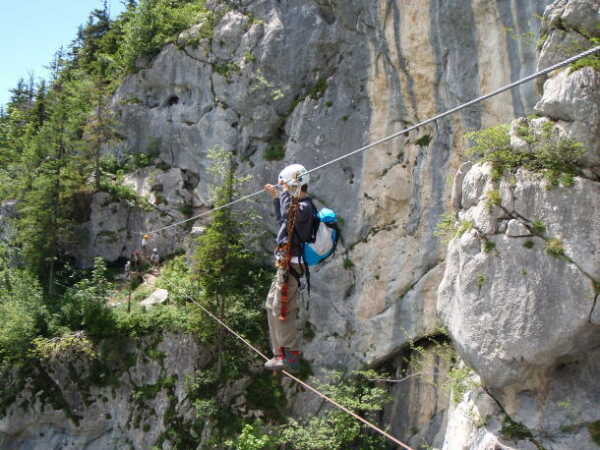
<point x="324" y="240"/>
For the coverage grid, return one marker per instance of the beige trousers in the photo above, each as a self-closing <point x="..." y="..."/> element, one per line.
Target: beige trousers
<point x="283" y="333"/>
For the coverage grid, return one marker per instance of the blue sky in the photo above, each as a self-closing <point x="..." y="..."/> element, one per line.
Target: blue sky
<point x="32" y="30"/>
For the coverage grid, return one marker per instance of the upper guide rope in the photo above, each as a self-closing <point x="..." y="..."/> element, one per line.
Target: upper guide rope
<point x="399" y="133"/>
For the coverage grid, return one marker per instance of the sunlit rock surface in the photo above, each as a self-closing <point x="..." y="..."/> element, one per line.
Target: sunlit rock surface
<point x="307" y="81"/>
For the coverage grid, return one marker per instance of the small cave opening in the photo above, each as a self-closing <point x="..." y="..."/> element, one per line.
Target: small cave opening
<point x="173" y="100"/>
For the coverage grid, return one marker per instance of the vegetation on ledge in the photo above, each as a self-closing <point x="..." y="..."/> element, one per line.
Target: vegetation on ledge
<point x="556" y="158"/>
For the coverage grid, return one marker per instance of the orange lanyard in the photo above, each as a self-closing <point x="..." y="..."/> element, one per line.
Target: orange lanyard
<point x="291" y="222"/>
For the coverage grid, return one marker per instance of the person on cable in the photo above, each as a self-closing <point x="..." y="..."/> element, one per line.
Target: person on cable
<point x="295" y="214"/>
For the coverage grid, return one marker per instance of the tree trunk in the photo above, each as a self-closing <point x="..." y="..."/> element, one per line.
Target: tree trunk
<point x="98" y="144"/>
<point x="220" y="336"/>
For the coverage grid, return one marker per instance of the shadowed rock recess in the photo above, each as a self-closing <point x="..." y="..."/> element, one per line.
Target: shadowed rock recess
<point x="497" y="329"/>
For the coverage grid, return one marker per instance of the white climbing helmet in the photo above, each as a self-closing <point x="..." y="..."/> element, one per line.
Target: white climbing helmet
<point x="294" y="175"/>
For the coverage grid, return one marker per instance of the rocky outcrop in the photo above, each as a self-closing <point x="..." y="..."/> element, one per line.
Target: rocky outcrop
<point x="131" y="395"/>
<point x="306" y="81"/>
<point x="115" y="227"/>
<point x="520" y="288"/>
<point x="572" y="100"/>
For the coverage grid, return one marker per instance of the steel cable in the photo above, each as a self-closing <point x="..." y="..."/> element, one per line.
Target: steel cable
<point x="399" y="133"/>
<point x="299" y="381"/>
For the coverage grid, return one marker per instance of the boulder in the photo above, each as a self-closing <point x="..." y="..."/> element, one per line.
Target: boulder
<point x="573" y="99"/>
<point x="158" y="297"/>
<point x="502" y="307"/>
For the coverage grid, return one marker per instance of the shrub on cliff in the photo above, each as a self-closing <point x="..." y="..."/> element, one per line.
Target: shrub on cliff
<point x="548" y="153"/>
<point x="83" y="306"/>
<point x="155" y="23"/>
<point x="23" y="313"/>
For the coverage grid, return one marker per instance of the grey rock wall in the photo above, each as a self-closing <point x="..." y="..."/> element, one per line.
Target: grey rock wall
<point x="423" y="60"/>
<point x="320" y="78"/>
<point x="520" y="287"/>
<point x="70" y="411"/>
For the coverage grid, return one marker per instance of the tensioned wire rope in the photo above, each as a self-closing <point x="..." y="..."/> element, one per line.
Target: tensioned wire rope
<point x="354" y="152"/>
<point x="395" y="135"/>
<point x="307" y="386"/>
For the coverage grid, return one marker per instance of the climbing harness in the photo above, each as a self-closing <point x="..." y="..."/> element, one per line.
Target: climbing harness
<point x="397" y="134"/>
<point x="302" y="383"/>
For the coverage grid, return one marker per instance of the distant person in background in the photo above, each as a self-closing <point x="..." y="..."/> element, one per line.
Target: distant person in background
<point x="128" y="270"/>
<point x="155" y="257"/>
<point x="145" y="240"/>
<point x="136" y="260"/>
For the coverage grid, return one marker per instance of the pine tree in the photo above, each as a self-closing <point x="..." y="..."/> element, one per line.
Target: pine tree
<point x="222" y="259"/>
<point x="22" y="95"/>
<point x="88" y="47"/>
<point x="47" y="177"/>
<point x="101" y="126"/>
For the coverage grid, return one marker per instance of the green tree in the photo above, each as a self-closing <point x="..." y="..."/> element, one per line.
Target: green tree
<point x="154" y="24"/>
<point x="84" y="306"/>
<point x="88" y="46"/>
<point x="222" y="260"/>
<point x="336" y="429"/>
<point x="47" y="175"/>
<point x="23" y="312"/>
<point x="101" y="126"/>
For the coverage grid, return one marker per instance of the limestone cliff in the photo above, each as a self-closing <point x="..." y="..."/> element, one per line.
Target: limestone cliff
<point x="128" y="394"/>
<point x="306" y="81"/>
<point x="519" y="294"/>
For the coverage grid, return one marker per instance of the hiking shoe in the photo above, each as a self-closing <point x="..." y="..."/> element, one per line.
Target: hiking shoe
<point x="275" y="363"/>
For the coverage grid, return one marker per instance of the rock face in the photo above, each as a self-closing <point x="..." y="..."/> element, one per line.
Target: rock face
<point x="116" y="226"/>
<point x="307" y="81"/>
<point x="520" y="287"/>
<point x="125" y="405"/>
<point x="310" y="81"/>
<point x="573" y="100"/>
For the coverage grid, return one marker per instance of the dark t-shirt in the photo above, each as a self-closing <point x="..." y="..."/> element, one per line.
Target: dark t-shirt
<point x="304" y="221"/>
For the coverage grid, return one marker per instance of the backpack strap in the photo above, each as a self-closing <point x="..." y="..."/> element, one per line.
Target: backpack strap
<point x="307" y="275"/>
<point x="334" y="226"/>
<point x="295" y="274"/>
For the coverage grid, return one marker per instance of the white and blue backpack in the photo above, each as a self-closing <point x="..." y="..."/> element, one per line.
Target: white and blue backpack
<point x="324" y="239"/>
